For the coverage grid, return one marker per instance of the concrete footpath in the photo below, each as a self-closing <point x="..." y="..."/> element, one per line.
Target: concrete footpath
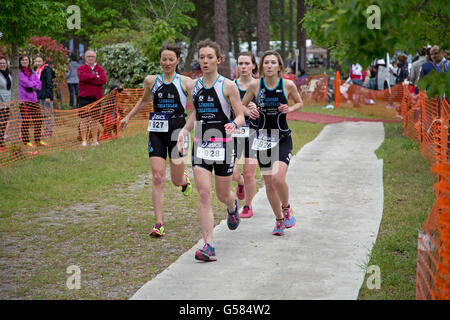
<point x="336" y="190"/>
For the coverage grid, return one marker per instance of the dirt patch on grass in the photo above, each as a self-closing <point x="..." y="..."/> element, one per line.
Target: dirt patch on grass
<point x="108" y="240"/>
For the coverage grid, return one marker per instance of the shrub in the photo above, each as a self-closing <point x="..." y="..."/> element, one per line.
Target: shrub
<point x="124" y="63"/>
<point x="55" y="53"/>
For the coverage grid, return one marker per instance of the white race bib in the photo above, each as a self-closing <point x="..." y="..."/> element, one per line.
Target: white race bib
<point x="242" y="133"/>
<point x="159" y="122"/>
<point x="264" y="142"/>
<point x="212" y="150"/>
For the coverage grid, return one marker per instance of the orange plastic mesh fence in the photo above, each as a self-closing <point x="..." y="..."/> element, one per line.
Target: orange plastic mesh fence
<point x="432" y="119"/>
<point x="313" y="89"/>
<point x="32" y="129"/>
<point x="29" y="129"/>
<point x="380" y="103"/>
<point x="426" y="121"/>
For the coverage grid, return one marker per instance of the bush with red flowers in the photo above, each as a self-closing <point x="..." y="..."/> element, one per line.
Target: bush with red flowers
<point x="55" y="53"/>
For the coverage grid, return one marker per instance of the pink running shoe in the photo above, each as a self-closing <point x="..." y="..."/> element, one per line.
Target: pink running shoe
<point x="240" y="192"/>
<point x="246" y="212"/>
<point x="207" y="253"/>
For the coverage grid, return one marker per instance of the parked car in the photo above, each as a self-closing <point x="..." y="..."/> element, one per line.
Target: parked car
<point x="385" y="79"/>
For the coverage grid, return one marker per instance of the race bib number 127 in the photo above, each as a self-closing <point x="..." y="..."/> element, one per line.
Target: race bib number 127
<point x="159" y="122"/>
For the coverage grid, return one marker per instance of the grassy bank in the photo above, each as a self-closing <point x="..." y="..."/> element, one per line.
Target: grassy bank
<point x="92" y="209"/>
<point x="408" y="198"/>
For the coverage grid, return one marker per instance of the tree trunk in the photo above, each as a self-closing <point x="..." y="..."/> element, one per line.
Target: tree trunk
<point x="328" y="65"/>
<point x="76" y="46"/>
<point x="282" y="36"/>
<point x="14" y="125"/>
<point x="221" y="34"/>
<point x="15" y="73"/>
<point x="263" y="26"/>
<point x="301" y="33"/>
<point x="291" y="28"/>
<point x="236" y="47"/>
<point x="191" y="49"/>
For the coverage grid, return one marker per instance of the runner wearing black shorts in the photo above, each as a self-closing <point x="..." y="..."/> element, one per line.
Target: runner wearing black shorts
<point x="214" y="97"/>
<point x="169" y="92"/>
<point x="246" y="188"/>
<point x="213" y="148"/>
<point x="273" y="140"/>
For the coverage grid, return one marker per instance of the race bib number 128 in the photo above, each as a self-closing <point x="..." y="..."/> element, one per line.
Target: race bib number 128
<point x="213" y="151"/>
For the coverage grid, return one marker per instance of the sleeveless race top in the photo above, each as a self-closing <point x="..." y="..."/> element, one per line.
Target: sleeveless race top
<point x="269" y="100"/>
<point x="213" y="110"/>
<point x="253" y="123"/>
<point x="169" y="98"/>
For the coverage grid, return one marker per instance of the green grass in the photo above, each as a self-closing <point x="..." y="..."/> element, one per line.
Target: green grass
<point x="92" y="208"/>
<point x="60" y="179"/>
<point x="341" y="112"/>
<point x="408" y="198"/>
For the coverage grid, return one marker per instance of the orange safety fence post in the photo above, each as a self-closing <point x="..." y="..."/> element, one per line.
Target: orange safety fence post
<point x="118" y="117"/>
<point x="337" y="90"/>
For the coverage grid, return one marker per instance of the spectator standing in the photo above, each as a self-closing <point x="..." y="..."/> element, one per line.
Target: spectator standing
<point x="427" y="66"/>
<point x="373" y="77"/>
<point x="416" y="66"/>
<point x="91" y="78"/>
<point x="45" y="95"/>
<point x="108" y="114"/>
<point x="440" y="64"/>
<point x="72" y="79"/>
<point x="29" y="84"/>
<point x="402" y="69"/>
<point x="5" y="96"/>
<point x="356" y="77"/>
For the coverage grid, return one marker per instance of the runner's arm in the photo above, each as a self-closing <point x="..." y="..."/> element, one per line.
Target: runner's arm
<point x="292" y="95"/>
<point x="250" y="107"/>
<point x="145" y="99"/>
<point x="185" y="131"/>
<point x="232" y="94"/>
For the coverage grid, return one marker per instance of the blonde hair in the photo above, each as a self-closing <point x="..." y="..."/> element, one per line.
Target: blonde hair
<point x="270" y="53"/>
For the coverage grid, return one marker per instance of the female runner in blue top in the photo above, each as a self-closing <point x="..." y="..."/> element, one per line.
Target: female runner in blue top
<point x="246" y="189"/>
<point x="169" y="92"/>
<point x="273" y="141"/>
<point x="214" y="97"/>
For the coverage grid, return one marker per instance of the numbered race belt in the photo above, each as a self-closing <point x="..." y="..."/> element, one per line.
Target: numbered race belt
<point x="159" y="122"/>
<point x="211" y="150"/>
<point x="264" y="141"/>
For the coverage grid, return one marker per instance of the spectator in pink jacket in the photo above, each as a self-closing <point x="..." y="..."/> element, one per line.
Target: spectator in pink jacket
<point x="30" y="110"/>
